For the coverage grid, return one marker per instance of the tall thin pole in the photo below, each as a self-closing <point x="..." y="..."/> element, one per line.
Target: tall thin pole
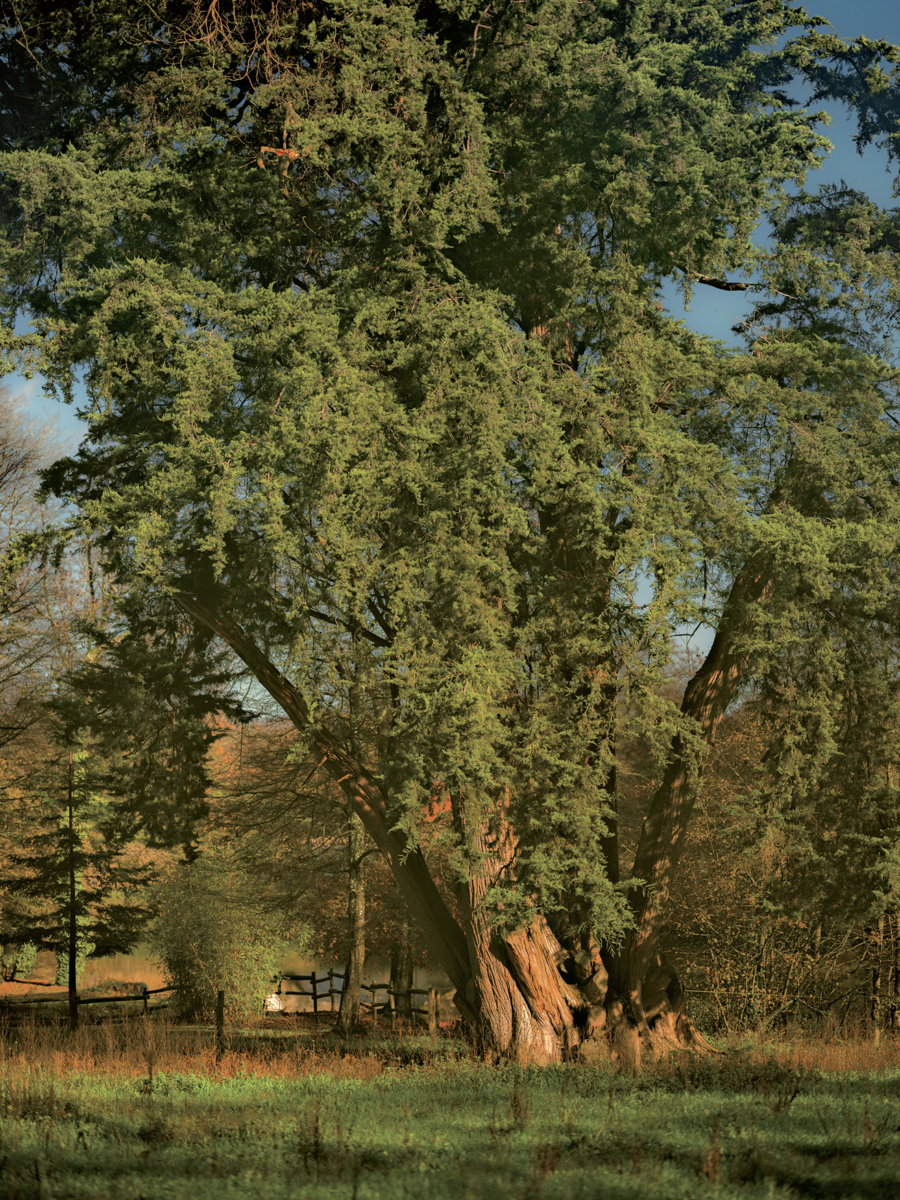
<point x="73" y="924"/>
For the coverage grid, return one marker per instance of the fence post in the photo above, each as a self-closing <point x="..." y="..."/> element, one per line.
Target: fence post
<point x="144" y="995"/>
<point x="432" y="1012"/>
<point x="220" y="1025"/>
<point x="315" y="995"/>
<point x="331" y="990"/>
<point x="392" y="1001"/>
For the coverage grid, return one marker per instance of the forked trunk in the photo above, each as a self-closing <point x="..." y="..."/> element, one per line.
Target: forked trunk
<point x="523" y="994"/>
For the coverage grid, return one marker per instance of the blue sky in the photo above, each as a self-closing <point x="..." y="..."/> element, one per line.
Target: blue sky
<point x="714" y="312"/>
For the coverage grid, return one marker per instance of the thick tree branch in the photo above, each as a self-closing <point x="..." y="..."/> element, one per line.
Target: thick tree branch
<point x="362" y="791"/>
<point x="724" y="285"/>
<point x="705" y="700"/>
<point x="729" y="285"/>
<point x="363" y="633"/>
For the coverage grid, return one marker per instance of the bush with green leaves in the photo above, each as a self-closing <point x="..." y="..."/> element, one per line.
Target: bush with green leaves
<point x="211" y="935"/>
<point x="18" y="960"/>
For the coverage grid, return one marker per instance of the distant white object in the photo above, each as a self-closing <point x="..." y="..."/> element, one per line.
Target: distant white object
<point x="274" y="1003"/>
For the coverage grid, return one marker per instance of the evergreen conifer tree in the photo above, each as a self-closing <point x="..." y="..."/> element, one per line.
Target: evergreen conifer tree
<point x="78" y="896"/>
<point x="382" y="397"/>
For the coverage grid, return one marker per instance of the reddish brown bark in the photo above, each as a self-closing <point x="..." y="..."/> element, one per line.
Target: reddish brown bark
<point x="525" y="1008"/>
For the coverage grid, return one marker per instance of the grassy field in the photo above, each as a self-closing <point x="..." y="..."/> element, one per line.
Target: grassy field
<point x="143" y="1110"/>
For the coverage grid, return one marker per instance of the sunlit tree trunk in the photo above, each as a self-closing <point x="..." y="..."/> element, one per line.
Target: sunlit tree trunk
<point x="402" y="972"/>
<point x="356" y="914"/>
<point x="524" y="1008"/>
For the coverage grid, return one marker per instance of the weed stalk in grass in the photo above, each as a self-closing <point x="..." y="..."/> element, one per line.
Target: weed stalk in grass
<point x="711" y="1165"/>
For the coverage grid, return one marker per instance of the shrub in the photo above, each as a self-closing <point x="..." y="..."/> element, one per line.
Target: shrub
<point x="210" y="935"/>
<point x="18" y="961"/>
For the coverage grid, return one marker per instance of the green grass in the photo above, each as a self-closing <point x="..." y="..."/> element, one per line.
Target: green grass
<point x="143" y="1110"/>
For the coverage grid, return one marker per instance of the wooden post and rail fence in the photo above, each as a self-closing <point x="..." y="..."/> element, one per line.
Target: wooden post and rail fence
<point x="428" y="1013"/>
<point x="142" y="995"/>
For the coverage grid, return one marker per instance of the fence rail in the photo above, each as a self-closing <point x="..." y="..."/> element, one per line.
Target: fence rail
<point x="428" y="1014"/>
<point x="316" y="995"/>
<point x="63" y="998"/>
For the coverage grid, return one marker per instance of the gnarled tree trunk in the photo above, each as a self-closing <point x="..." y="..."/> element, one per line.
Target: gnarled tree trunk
<point x="525" y="1008"/>
<point x="524" y="994"/>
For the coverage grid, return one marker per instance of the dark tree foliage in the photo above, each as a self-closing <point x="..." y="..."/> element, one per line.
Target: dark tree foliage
<point x="147" y="691"/>
<point x="71" y="891"/>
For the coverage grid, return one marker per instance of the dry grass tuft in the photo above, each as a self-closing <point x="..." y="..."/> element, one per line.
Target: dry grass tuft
<point x="826" y="1054"/>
